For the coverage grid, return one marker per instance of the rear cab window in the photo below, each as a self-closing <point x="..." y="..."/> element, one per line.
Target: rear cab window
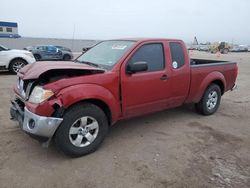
<point x="177" y="55"/>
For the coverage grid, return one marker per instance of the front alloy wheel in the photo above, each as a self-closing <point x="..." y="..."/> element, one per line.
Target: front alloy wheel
<point x="83" y="131"/>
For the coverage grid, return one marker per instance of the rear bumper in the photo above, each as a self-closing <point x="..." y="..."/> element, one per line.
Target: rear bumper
<point x="33" y="124"/>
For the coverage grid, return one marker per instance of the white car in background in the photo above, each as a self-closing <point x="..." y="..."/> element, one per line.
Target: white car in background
<point x="14" y="60"/>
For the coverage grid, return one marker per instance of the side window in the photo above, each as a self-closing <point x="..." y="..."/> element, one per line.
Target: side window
<point x="177" y="54"/>
<point x="51" y="48"/>
<point x="152" y="54"/>
<point x="1" y="29"/>
<point x="40" y="48"/>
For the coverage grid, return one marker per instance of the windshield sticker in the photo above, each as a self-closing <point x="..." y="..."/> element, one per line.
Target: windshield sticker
<point x="119" y="47"/>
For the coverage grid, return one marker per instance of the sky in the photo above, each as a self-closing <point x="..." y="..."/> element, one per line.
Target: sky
<point x="208" y="20"/>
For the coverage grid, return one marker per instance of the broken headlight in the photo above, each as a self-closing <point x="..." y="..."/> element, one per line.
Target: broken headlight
<point x="39" y="95"/>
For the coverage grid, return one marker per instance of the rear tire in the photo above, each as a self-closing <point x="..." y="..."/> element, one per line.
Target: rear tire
<point x="210" y="101"/>
<point x="83" y="129"/>
<point x="16" y="65"/>
<point x="66" y="57"/>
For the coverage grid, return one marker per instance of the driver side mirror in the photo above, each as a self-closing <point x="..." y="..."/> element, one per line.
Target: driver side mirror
<point x="139" y="66"/>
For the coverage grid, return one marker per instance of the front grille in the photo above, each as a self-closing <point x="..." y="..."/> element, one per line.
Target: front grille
<point x="25" y="87"/>
<point x="20" y="103"/>
<point x="20" y="86"/>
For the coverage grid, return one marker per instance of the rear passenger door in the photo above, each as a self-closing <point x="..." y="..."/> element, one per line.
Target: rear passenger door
<point x="52" y="52"/>
<point x="145" y="92"/>
<point x="42" y="52"/>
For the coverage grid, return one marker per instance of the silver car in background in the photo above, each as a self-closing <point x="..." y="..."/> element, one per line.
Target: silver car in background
<point x="50" y="52"/>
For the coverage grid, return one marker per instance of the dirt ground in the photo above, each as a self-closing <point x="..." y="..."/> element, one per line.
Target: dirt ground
<point x="173" y="148"/>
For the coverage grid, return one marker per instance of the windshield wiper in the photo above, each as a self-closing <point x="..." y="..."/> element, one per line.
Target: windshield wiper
<point x="88" y="63"/>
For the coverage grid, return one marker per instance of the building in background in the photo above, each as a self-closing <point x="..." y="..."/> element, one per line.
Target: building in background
<point x="9" y="30"/>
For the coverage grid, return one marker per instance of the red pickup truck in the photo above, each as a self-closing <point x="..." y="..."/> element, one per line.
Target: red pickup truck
<point x="75" y="103"/>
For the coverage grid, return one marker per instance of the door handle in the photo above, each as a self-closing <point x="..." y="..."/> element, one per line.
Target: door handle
<point x="164" y="77"/>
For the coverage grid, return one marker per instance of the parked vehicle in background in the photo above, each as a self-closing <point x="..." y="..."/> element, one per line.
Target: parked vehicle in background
<point x="14" y="60"/>
<point x="239" y="48"/>
<point x="85" y="49"/>
<point x="63" y="48"/>
<point x="50" y="52"/>
<point x="204" y="48"/>
<point x="192" y="47"/>
<point x="75" y="103"/>
<point x="222" y="47"/>
<point x="29" y="48"/>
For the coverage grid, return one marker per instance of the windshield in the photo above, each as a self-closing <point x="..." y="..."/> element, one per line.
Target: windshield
<point x="105" y="54"/>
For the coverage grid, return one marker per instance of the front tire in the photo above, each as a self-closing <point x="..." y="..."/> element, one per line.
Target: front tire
<point x="83" y="129"/>
<point x="210" y="101"/>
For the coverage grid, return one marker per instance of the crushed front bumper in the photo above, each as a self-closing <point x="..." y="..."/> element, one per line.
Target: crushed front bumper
<point x="33" y="124"/>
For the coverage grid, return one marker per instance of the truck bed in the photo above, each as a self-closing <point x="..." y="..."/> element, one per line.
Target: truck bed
<point x="203" y="71"/>
<point x="207" y="62"/>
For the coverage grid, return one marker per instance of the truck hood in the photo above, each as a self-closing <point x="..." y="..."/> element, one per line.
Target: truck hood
<point x="35" y="70"/>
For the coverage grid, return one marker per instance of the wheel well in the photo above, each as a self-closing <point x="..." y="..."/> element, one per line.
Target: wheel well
<point x="16" y="58"/>
<point x="220" y="84"/>
<point x="101" y="105"/>
<point x="37" y="55"/>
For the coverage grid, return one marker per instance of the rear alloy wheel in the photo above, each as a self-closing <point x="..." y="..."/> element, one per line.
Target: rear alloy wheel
<point x="83" y="129"/>
<point x="16" y="65"/>
<point x="210" y="101"/>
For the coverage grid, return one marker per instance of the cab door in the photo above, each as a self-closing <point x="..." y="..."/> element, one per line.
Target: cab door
<point x="179" y="76"/>
<point x="42" y="51"/>
<point x="145" y="92"/>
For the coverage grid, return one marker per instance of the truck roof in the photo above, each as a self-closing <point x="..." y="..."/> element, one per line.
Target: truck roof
<point x="148" y="39"/>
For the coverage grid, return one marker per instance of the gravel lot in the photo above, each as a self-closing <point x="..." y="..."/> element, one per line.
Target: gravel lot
<point x="174" y="148"/>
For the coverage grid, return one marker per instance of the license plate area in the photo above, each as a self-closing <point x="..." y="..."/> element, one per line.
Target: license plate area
<point x="17" y="111"/>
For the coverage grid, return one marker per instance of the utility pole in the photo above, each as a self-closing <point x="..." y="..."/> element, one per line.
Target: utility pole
<point x="73" y="38"/>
